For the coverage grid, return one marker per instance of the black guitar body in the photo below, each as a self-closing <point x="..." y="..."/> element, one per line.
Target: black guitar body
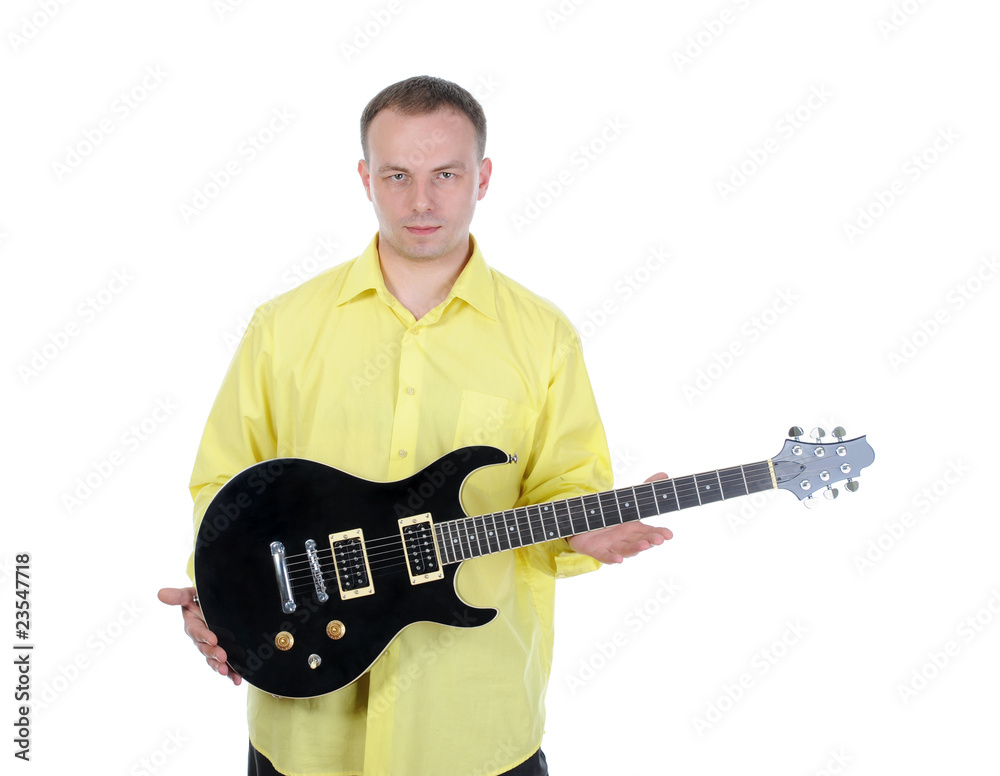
<point x="321" y="646"/>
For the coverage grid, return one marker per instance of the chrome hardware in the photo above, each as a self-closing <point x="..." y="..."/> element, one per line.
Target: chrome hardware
<point x="839" y="433"/>
<point x="321" y="595"/>
<point x="852" y="485"/>
<point x="795" y="432"/>
<point x="797" y="449"/>
<point x="281" y="574"/>
<point x="817" y="433"/>
<point x="314" y="661"/>
<point x="805" y="485"/>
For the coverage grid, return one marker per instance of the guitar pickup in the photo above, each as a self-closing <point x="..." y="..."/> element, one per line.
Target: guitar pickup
<point x="423" y="560"/>
<point x="350" y="559"/>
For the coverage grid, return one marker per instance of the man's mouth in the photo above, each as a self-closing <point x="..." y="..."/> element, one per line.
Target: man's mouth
<point x="422" y="230"/>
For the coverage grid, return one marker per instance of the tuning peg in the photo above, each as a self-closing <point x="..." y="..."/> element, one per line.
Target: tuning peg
<point x="810" y="502"/>
<point x="831" y="492"/>
<point x="852" y="485"/>
<point x="817" y="433"/>
<point x="839" y="433"/>
<point x="795" y="432"/>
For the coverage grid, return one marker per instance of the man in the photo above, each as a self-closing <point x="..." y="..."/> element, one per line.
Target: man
<point x="378" y="367"/>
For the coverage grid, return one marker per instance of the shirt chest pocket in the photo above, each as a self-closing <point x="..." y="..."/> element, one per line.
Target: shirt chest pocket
<point x="484" y="419"/>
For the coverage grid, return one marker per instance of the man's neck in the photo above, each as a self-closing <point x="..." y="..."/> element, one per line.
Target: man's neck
<point x="421" y="285"/>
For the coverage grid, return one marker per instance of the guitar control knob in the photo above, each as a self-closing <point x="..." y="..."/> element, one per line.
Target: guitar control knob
<point x="284" y="641"/>
<point x="335" y="629"/>
<point x="314" y="661"/>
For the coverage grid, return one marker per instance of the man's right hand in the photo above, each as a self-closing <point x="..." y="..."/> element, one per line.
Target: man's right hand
<point x="195" y="627"/>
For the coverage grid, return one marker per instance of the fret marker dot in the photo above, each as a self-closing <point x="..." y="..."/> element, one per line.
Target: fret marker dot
<point x="627" y="504"/>
<point x="551" y="534"/>
<point x="591" y="511"/>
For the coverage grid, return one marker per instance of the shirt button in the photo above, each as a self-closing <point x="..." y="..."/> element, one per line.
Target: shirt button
<point x="410" y="391"/>
<point x="402" y="454"/>
<point x="415" y="331"/>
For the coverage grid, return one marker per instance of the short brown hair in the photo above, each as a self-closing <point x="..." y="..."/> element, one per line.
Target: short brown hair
<point x="425" y="94"/>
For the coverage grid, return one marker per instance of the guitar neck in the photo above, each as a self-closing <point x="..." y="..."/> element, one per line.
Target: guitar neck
<point x="472" y="537"/>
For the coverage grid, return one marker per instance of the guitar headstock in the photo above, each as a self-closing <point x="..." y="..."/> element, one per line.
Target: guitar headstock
<point x="809" y="468"/>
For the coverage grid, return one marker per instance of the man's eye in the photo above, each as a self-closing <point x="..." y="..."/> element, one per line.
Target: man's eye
<point x="398" y="176"/>
<point x="447" y="175"/>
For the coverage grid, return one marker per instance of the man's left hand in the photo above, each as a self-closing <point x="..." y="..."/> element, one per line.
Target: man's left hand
<point x="617" y="542"/>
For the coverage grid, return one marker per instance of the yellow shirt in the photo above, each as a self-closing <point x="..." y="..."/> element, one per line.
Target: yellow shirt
<point x="338" y="371"/>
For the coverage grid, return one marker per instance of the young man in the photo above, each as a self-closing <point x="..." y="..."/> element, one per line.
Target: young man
<point x="378" y="367"/>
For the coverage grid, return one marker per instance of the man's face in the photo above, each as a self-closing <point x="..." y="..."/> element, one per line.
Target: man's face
<point x="424" y="179"/>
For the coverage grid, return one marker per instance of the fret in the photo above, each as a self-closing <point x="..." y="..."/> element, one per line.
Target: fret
<point x="455" y="541"/>
<point x="645" y="499"/>
<point x="480" y="545"/>
<point x="524" y="523"/>
<point x="463" y="535"/>
<point x="733" y="482"/>
<point x="550" y="530"/>
<point x="708" y="488"/>
<point x="592" y="512"/>
<point x="514" y="529"/>
<point x="441" y="543"/>
<point x="564" y="524"/>
<point x="492" y="540"/>
<point x="578" y="514"/>
<point x="503" y="535"/>
<point x="665" y="496"/>
<point x="687" y="492"/>
<point x="626" y="504"/>
<point x="609" y="507"/>
<point x="758" y="477"/>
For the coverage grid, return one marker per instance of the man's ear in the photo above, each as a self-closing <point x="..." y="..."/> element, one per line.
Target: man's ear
<point x="485" y="171"/>
<point x="365" y="177"/>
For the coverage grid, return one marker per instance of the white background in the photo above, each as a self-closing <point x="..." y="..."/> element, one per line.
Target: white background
<point x="875" y="584"/>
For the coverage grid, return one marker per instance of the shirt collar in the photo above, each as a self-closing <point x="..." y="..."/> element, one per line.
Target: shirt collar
<point x="474" y="285"/>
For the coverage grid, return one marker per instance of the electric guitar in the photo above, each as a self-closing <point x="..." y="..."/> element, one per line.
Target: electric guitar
<point x="306" y="573"/>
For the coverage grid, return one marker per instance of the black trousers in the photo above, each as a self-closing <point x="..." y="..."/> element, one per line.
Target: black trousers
<point x="535" y="765"/>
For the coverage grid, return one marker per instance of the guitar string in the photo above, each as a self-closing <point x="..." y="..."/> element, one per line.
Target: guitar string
<point x="534" y="524"/>
<point x="685" y="490"/>
<point x="400" y="562"/>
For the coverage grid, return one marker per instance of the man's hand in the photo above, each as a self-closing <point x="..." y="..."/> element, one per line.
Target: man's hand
<point x="617" y="542"/>
<point x="195" y="627"/>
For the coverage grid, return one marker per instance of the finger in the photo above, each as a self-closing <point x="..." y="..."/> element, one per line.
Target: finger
<point x="224" y="669"/>
<point x="176" y="596"/>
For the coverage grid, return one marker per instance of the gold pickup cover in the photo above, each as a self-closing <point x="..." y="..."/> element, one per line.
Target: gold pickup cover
<point x="352" y="536"/>
<point x="419" y="577"/>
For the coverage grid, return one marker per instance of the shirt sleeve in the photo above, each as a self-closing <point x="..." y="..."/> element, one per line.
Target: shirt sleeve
<point x="240" y="430"/>
<point x="569" y="456"/>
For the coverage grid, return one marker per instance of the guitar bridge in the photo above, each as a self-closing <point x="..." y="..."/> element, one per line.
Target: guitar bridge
<point x="423" y="560"/>
<point x="350" y="559"/>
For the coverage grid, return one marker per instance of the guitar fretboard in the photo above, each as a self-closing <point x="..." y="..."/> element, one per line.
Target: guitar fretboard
<point x="472" y="537"/>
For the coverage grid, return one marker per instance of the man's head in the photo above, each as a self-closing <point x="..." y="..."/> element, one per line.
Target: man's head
<point x="423" y="167"/>
<point x="425" y="94"/>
